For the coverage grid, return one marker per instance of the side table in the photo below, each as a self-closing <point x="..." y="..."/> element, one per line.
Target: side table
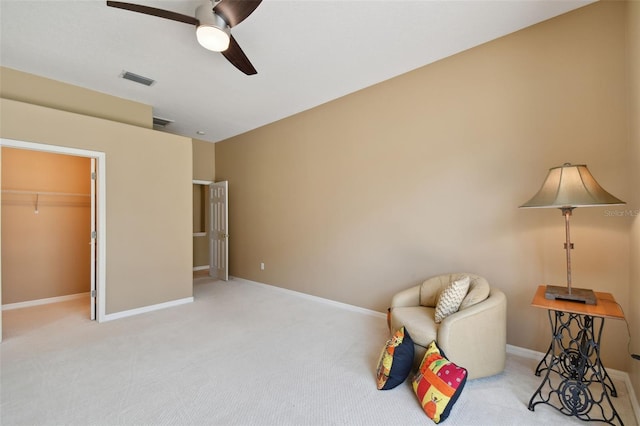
<point x="575" y="381"/>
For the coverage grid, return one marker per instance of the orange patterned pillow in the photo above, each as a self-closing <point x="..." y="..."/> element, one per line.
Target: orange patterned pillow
<point x="438" y="383"/>
<point x="396" y="360"/>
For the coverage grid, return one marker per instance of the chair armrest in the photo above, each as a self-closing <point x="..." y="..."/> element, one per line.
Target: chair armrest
<point x="406" y="298"/>
<point x="476" y="337"/>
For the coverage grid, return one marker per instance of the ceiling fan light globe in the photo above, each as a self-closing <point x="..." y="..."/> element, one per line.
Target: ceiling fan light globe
<point x="212" y="38"/>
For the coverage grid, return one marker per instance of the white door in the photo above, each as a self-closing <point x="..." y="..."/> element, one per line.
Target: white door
<point x="219" y="231"/>
<point x="92" y="241"/>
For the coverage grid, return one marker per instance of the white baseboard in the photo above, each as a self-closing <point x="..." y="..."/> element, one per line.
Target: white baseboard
<point x="514" y="350"/>
<point x="201" y="268"/>
<point x="316" y="298"/>
<point x="145" y="309"/>
<point x="109" y="317"/>
<point x="38" y="302"/>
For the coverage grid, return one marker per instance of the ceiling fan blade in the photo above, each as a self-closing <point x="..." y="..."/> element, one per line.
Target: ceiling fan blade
<point x="161" y="13"/>
<point x="236" y="56"/>
<point x="236" y="11"/>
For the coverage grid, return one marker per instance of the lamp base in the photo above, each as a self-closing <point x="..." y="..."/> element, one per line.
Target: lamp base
<point x="582" y="295"/>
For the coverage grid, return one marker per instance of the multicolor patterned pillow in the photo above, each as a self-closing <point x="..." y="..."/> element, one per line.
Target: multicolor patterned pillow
<point x="438" y="383"/>
<point x="396" y="360"/>
<point x="451" y="297"/>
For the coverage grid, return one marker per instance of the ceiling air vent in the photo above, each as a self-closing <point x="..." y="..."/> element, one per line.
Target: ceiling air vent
<point x="137" y="78"/>
<point x="161" y="123"/>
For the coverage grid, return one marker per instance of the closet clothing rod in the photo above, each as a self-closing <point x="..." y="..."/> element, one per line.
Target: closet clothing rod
<point x="65" y="194"/>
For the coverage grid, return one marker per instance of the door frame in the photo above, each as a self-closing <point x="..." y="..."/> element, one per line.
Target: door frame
<point x="101" y="213"/>
<point x="204" y="184"/>
<point x="93" y="237"/>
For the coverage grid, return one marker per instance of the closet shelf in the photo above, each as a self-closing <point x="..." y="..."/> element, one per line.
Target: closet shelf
<point x="63" y="194"/>
<point x="19" y="197"/>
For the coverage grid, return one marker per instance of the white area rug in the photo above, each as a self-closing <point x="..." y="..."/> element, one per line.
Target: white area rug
<point x="241" y="354"/>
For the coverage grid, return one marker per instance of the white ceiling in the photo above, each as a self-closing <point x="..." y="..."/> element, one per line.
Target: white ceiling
<point x="306" y="52"/>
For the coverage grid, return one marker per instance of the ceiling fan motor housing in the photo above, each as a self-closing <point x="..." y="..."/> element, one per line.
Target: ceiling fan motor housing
<point x="213" y="33"/>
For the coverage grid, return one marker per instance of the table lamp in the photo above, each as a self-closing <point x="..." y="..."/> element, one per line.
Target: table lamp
<point x="567" y="187"/>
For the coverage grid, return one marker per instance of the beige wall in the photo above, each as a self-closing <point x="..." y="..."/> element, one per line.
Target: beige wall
<point x="633" y="313"/>
<point x="24" y="87"/>
<point x="204" y="160"/>
<point x="46" y="250"/>
<point x="204" y="166"/>
<point x="423" y="174"/>
<point x="148" y="198"/>
<point x="148" y="181"/>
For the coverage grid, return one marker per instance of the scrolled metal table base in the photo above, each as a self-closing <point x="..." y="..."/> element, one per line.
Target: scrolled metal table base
<point x="575" y="381"/>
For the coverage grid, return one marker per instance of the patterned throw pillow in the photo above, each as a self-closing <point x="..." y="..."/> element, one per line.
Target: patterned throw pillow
<point x="396" y="360"/>
<point x="438" y="383"/>
<point x="451" y="297"/>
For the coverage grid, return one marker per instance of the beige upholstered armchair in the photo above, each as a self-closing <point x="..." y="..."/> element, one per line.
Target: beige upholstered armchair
<point x="474" y="337"/>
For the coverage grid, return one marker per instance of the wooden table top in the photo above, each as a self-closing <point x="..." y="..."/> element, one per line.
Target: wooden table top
<point x="605" y="307"/>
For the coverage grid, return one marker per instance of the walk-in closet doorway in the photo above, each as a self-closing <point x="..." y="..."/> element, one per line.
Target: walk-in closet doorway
<point x="53" y="226"/>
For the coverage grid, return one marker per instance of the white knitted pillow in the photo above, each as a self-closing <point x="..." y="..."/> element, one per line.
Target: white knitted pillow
<point x="451" y="297"/>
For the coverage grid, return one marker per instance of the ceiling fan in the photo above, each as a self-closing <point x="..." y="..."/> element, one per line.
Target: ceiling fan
<point x="213" y="21"/>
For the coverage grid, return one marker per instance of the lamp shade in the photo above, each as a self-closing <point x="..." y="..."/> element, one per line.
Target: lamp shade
<point x="571" y="185"/>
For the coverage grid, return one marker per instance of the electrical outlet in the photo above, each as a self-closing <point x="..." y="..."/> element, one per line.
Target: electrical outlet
<point x="262" y="266"/>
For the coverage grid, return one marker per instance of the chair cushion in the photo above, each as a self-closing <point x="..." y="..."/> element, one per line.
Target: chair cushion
<point x="431" y="288"/>
<point x="395" y="361"/>
<point x="418" y="321"/>
<point x="450" y="298"/>
<point x="438" y="383"/>
<point x="478" y="291"/>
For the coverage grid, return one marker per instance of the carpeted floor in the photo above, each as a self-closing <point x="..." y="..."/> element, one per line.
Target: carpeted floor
<point x="241" y="354"/>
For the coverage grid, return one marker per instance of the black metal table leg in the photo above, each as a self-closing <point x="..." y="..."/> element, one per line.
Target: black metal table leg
<point x="575" y="381"/>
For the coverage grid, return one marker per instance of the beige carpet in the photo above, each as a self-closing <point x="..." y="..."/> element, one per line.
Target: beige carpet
<point x="241" y="354"/>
